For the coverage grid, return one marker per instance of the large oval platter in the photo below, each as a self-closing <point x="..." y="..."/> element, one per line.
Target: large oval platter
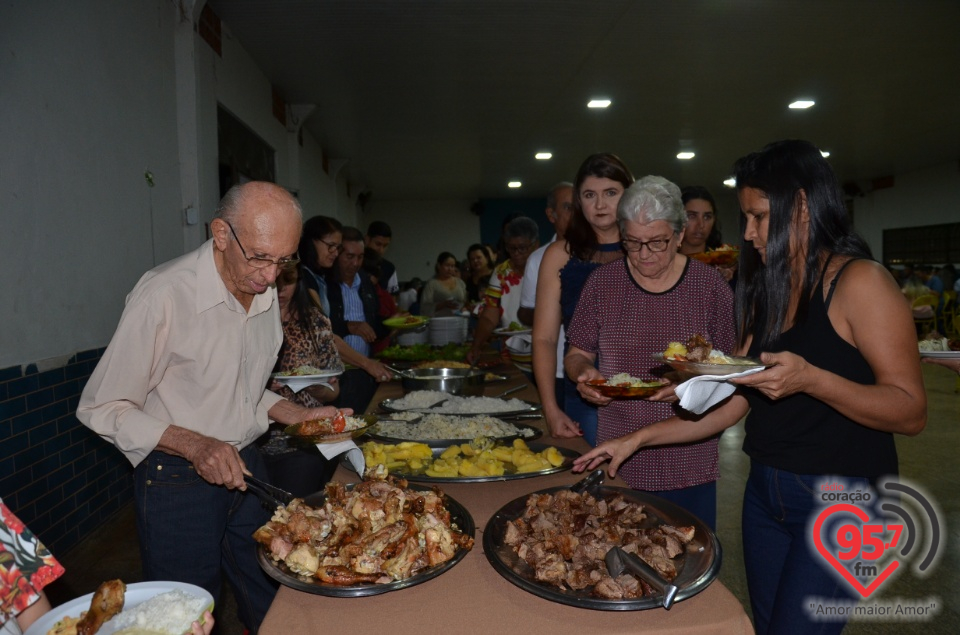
<point x="459" y="516"/>
<point x="700" y="566"/>
<point x="445" y="443"/>
<point x="568" y="458"/>
<point x="530" y="407"/>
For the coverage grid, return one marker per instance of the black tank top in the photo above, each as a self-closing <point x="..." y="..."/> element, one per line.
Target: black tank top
<point x="802" y="434"/>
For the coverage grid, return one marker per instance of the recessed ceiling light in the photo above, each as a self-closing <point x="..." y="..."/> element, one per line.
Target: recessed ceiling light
<point x="685" y="155"/>
<point x="514" y="184"/>
<point x="598" y="103"/>
<point x="824" y="154"/>
<point x="731" y="182"/>
<point x="802" y="104"/>
<point x="543" y="156"/>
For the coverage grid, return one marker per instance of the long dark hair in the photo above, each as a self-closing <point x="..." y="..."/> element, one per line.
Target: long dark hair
<point x="315" y="229"/>
<point x="781" y="171"/>
<point x="581" y="239"/>
<point x="302" y="302"/>
<point x="695" y="192"/>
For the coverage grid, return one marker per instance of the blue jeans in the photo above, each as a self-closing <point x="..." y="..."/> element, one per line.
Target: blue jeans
<point x="699" y="500"/>
<point x="783" y="569"/>
<point x="191" y="530"/>
<point x="580" y="411"/>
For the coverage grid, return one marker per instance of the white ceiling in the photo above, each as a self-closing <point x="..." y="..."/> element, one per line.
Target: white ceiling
<point x="450" y="99"/>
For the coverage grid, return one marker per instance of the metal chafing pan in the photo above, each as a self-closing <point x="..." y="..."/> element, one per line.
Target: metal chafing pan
<point x="459" y="516"/>
<point x="445" y="443"/>
<point x="699" y="567"/>
<point x="389" y="405"/>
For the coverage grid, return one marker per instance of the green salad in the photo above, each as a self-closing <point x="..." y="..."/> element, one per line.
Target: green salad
<point x="425" y="352"/>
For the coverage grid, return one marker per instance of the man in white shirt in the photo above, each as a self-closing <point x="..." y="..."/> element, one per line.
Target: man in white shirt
<point x="181" y="392"/>
<point x="558" y="211"/>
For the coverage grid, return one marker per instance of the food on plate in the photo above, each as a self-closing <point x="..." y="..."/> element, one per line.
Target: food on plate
<point x="724" y="255"/>
<point x="435" y="426"/>
<point x="66" y="626"/>
<point x="516" y="326"/>
<point x="299" y="371"/>
<point x="319" y="427"/>
<point x="935" y="342"/>
<point x="107" y="601"/>
<point x="169" y="613"/>
<point x="626" y="381"/>
<point x="455" y="404"/>
<point x="697" y="349"/>
<point x="481" y="457"/>
<point x="378" y="532"/>
<point x="564" y="537"/>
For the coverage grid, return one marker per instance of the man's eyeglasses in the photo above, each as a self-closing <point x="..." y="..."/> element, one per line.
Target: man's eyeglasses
<point x="654" y="246"/>
<point x="257" y="262"/>
<point x="519" y="249"/>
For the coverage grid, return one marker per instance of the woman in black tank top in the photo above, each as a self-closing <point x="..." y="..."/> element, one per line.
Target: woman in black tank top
<point x="844" y="377"/>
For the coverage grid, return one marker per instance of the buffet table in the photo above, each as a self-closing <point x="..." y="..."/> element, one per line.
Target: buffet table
<point x="473" y="598"/>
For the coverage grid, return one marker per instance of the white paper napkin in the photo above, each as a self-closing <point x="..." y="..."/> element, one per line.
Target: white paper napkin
<point x="354" y="455"/>
<point x="520" y="343"/>
<point x="701" y="393"/>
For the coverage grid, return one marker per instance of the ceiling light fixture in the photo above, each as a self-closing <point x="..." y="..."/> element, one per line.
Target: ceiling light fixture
<point x="824" y="154"/>
<point x="514" y="184"/>
<point x="598" y="103"/>
<point x="685" y="155"/>
<point x="543" y="156"/>
<point x="731" y="182"/>
<point x="802" y="104"/>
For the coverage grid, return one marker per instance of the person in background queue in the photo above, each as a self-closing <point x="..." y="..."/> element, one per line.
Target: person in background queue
<point x="559" y="210"/>
<point x="703" y="227"/>
<point x="841" y="381"/>
<point x="480" y="267"/>
<point x="378" y="238"/>
<point x="628" y="310"/>
<point x="520" y="239"/>
<point x="307" y="341"/>
<point x="355" y="315"/>
<point x="181" y="392"/>
<point x="591" y="239"/>
<point x="445" y="293"/>
<point x="320" y="244"/>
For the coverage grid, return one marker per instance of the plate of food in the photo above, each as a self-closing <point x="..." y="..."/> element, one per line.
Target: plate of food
<point x="434" y="401"/>
<point x="622" y="385"/>
<point x="163" y="607"/>
<point x="424" y="352"/>
<point x="338" y="428"/>
<point x="679" y="546"/>
<point x="722" y="256"/>
<point x="444" y="528"/>
<point x="406" y="321"/>
<point x="937" y="346"/>
<point x="446" y="430"/>
<point x="514" y="328"/>
<point x="304" y="376"/>
<point x="481" y="460"/>
<point x="698" y="357"/>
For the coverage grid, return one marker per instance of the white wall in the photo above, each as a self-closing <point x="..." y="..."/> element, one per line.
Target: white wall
<point x="87" y="105"/>
<point x="423" y="229"/>
<point x="925" y="197"/>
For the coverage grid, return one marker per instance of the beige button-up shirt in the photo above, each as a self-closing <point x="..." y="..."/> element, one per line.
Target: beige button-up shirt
<point x="186" y="353"/>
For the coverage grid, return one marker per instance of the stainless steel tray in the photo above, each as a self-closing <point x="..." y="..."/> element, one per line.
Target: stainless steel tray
<point x="531" y="407"/>
<point x="459" y="516"/>
<point x="568" y="455"/>
<point x="700" y="566"/>
<point x="445" y="443"/>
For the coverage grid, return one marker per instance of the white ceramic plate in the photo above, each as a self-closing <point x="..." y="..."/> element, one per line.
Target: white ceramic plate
<point x="941" y="354"/>
<point x="296" y="383"/>
<point x="508" y="332"/>
<point x="136" y="593"/>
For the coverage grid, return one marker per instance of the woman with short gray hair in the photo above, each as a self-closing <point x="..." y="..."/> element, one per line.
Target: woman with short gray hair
<point x="629" y="311"/>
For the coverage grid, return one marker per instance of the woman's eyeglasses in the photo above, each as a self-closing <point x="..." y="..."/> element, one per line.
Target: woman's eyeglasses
<point x="655" y="246"/>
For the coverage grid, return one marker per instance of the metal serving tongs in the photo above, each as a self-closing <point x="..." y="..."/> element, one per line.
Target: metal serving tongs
<point x="402" y="373"/>
<point x="509" y="391"/>
<point x="267" y="493"/>
<point x="593" y="480"/>
<point x="619" y="562"/>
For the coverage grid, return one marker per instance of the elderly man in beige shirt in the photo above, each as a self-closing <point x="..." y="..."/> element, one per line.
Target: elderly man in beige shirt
<point x="181" y="392"/>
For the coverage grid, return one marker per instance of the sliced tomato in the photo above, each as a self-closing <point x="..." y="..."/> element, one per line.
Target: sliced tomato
<point x="339" y="422"/>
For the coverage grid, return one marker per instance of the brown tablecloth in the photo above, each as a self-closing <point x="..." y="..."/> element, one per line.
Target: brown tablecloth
<point x="473" y="598"/>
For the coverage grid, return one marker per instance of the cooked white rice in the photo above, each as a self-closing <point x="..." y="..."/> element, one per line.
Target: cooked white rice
<point x="626" y="378"/>
<point x="941" y="344"/>
<point x="422" y="399"/>
<point x="170" y="613"/>
<point x="434" y="426"/>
